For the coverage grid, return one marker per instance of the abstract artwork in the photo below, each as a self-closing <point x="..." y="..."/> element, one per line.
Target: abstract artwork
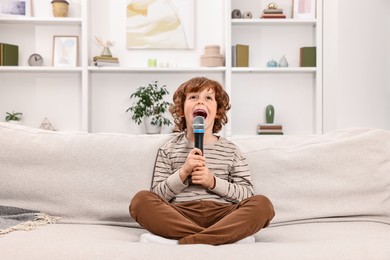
<point x="65" y="51"/>
<point x="160" y="24"/>
<point x="15" y="7"/>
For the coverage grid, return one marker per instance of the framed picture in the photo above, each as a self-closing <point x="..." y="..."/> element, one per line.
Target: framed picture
<point x="304" y="9"/>
<point x="160" y="24"/>
<point x="15" y="7"/>
<point x="65" y="51"/>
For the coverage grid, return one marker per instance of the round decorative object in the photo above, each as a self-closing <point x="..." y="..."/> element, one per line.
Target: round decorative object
<point x="272" y="6"/>
<point x="272" y="63"/>
<point x="35" y="60"/>
<point x="236" y="13"/>
<point x="247" y="15"/>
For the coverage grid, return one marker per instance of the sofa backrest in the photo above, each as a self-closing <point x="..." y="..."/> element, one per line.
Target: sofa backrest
<point x="81" y="177"/>
<point x="91" y="178"/>
<point x="343" y="175"/>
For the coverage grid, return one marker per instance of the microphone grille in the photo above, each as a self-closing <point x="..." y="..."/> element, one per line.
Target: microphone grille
<point x="198" y="122"/>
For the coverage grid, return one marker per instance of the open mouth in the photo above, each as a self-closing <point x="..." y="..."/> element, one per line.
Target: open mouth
<point x="199" y="112"/>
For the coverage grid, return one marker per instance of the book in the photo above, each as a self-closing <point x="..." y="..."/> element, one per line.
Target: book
<point x="307" y="57"/>
<point x="234" y="56"/>
<point x="105" y="58"/>
<point x="9" y="54"/>
<point x="273" y="11"/>
<point x="270" y="126"/>
<point x="242" y="55"/>
<point x="273" y="16"/>
<point x="104" y="63"/>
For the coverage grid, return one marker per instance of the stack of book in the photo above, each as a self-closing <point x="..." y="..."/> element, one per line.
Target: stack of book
<point x="273" y="13"/>
<point x="270" y="129"/>
<point x="101" y="61"/>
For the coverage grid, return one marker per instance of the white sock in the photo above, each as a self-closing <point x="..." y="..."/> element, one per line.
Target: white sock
<point x="150" y="238"/>
<point x="246" y="240"/>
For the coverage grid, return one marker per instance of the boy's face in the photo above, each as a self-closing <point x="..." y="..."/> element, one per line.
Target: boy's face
<point x="201" y="103"/>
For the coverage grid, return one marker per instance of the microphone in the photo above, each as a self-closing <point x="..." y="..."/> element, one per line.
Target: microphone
<point x="198" y="125"/>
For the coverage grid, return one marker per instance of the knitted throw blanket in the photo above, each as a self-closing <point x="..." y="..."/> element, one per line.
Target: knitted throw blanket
<point x="12" y="219"/>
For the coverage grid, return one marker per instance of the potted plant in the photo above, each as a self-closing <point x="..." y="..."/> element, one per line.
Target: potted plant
<point x="13" y="117"/>
<point x="150" y="106"/>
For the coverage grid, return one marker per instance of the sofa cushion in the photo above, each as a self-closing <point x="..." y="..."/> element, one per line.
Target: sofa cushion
<point x="81" y="177"/>
<point x="343" y="175"/>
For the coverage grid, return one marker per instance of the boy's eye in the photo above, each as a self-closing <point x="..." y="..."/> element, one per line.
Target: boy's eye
<point x="209" y="98"/>
<point x="192" y="97"/>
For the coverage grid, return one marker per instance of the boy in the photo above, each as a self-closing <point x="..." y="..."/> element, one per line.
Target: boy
<point x="217" y="206"/>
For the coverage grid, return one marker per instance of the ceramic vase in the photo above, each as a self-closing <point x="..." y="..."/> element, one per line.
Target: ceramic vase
<point x="60" y="8"/>
<point x="269" y="114"/>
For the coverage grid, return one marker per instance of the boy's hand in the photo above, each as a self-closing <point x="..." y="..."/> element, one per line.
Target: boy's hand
<point x="203" y="176"/>
<point x="194" y="159"/>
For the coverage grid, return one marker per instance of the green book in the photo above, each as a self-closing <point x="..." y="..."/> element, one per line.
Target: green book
<point x="9" y="54"/>
<point x="307" y="57"/>
<point x="242" y="55"/>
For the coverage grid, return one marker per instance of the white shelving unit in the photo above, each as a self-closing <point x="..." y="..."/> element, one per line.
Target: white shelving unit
<point x="94" y="99"/>
<point x="295" y="92"/>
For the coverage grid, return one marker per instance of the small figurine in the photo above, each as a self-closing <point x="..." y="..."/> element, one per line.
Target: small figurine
<point x="272" y="6"/>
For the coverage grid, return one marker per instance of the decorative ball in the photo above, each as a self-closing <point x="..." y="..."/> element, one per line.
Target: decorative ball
<point x="272" y="6"/>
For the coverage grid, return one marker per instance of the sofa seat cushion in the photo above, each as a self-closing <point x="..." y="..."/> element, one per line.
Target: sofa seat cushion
<point x="349" y="240"/>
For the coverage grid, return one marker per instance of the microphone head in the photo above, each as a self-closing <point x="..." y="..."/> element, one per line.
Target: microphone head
<point x="198" y="124"/>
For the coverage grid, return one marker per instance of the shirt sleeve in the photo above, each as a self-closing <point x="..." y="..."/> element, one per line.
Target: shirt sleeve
<point x="239" y="185"/>
<point x="166" y="183"/>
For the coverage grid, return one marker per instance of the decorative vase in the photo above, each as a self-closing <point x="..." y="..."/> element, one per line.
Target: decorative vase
<point x="60" y="8"/>
<point x="151" y="129"/>
<point x="283" y="62"/>
<point x="106" y="52"/>
<point x="269" y="114"/>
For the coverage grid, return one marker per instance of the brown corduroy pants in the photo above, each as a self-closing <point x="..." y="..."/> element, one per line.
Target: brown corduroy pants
<point x="201" y="222"/>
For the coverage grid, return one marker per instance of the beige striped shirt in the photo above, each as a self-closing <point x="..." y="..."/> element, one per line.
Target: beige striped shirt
<point x="223" y="159"/>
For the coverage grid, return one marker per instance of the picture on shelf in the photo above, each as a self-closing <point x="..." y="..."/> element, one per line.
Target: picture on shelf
<point x="65" y="51"/>
<point x="160" y="24"/>
<point x="15" y="7"/>
<point x="304" y="9"/>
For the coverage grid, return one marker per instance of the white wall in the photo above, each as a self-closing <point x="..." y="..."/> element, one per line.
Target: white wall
<point x="356" y="64"/>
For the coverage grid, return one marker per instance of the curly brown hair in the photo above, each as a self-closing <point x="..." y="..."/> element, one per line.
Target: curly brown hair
<point x="198" y="84"/>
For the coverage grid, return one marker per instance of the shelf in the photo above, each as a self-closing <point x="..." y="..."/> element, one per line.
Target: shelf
<point x="162" y="70"/>
<point x="274" y="70"/>
<point x="281" y="22"/>
<point x="38" y="69"/>
<point x="41" y="21"/>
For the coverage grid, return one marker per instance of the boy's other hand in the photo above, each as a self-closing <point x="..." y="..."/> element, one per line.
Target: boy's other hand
<point x="194" y="159"/>
<point x="203" y="176"/>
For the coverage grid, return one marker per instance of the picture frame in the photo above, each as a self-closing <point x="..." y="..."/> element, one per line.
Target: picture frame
<point x="304" y="9"/>
<point x="15" y="8"/>
<point x="65" y="50"/>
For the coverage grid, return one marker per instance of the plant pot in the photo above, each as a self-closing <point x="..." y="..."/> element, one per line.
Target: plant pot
<point x="151" y="129"/>
<point x="60" y="8"/>
<point x="14" y="122"/>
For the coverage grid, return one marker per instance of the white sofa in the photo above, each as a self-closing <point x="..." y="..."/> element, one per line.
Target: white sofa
<point x="331" y="195"/>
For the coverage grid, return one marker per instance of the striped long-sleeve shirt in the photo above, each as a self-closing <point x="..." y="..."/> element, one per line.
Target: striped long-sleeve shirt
<point x="223" y="159"/>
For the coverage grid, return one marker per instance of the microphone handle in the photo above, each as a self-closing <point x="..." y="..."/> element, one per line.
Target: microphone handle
<point x="199" y="141"/>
